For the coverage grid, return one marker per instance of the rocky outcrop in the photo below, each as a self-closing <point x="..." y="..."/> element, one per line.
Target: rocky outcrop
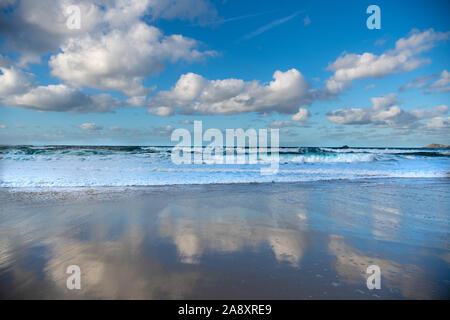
<point x="437" y="146"/>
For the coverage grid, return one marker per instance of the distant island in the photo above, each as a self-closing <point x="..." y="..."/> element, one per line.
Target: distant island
<point x="437" y="146"/>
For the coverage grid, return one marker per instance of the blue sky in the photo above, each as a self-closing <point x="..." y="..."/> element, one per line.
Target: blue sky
<point x="114" y="80"/>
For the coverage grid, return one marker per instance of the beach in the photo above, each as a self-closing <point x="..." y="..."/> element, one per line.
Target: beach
<point x="297" y="240"/>
<point x="245" y="152"/>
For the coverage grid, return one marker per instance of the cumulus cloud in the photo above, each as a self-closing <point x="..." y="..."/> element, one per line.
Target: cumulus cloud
<point x="194" y="94"/>
<point x="138" y="101"/>
<point x="13" y="81"/>
<point x="113" y="50"/>
<point x="63" y="98"/>
<point x="90" y="126"/>
<point x="301" y="115"/>
<point x="18" y="90"/>
<point x="385" y="112"/>
<point x="405" y="57"/>
<point x="163" y="111"/>
<point x="121" y="59"/>
<point x="297" y="119"/>
<point x="35" y="28"/>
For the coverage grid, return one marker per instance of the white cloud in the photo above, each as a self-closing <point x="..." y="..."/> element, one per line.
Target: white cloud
<point x="405" y="57"/>
<point x="440" y="85"/>
<point x="18" y="90"/>
<point x="418" y="42"/>
<point x="90" y="126"/>
<point x="120" y="13"/>
<point x="301" y="115"/>
<point x="194" y="94"/>
<point x="3" y="126"/>
<point x="383" y="102"/>
<point x="298" y="119"/>
<point x="34" y="28"/>
<point x="121" y="59"/>
<point x="13" y="81"/>
<point x="438" y="124"/>
<point x="63" y="98"/>
<point x="163" y="111"/>
<point x="385" y="112"/>
<point x="113" y="50"/>
<point x="137" y="101"/>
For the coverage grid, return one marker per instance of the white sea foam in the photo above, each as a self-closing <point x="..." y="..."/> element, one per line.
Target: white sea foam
<point x="335" y="158"/>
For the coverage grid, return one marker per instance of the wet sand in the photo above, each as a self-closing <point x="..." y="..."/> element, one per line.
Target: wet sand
<point x="310" y="240"/>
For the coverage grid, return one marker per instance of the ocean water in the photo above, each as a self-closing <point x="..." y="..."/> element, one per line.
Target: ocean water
<point x="80" y="166"/>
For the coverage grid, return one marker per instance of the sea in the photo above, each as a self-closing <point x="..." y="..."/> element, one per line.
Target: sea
<point x="116" y="166"/>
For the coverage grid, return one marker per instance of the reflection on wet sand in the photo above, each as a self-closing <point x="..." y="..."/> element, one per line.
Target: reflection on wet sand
<point x="351" y="265"/>
<point x="193" y="238"/>
<point x="111" y="269"/>
<point x="246" y="241"/>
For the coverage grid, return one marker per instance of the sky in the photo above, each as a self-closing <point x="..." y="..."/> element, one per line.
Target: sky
<point x="135" y="70"/>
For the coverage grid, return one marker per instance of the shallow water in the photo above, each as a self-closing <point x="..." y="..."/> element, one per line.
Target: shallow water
<point x="309" y="240"/>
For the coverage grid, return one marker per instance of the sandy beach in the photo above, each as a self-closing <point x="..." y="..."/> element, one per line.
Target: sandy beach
<point x="306" y="240"/>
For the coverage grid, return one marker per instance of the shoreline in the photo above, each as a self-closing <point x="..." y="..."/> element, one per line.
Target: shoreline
<point x="156" y="186"/>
